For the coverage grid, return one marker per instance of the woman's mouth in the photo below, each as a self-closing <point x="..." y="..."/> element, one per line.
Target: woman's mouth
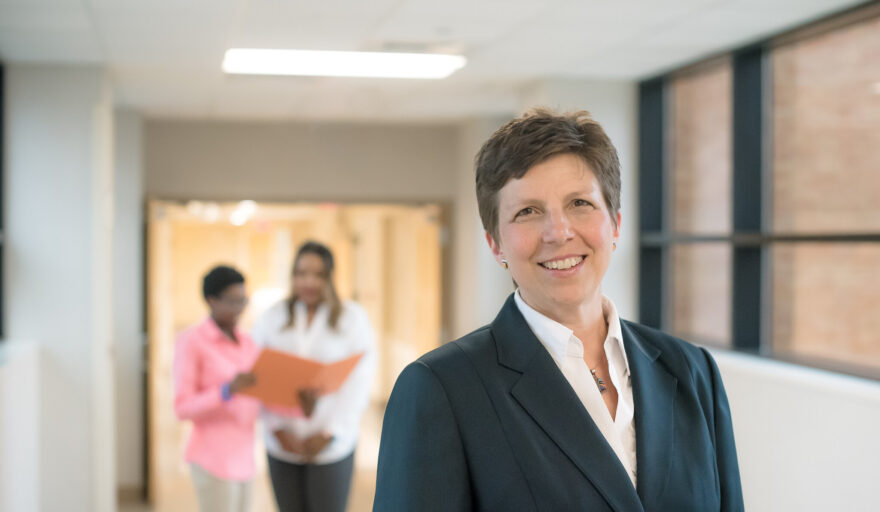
<point x="562" y="263"/>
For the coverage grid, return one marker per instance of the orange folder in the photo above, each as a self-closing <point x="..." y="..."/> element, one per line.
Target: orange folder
<point x="280" y="375"/>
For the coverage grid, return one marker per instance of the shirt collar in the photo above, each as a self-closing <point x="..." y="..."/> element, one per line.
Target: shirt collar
<point x="560" y="341"/>
<point x="211" y="330"/>
<point x="552" y="334"/>
<point x="614" y="338"/>
<point x="301" y="311"/>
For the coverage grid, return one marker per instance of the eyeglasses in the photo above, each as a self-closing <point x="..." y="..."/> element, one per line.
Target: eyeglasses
<point x="237" y="302"/>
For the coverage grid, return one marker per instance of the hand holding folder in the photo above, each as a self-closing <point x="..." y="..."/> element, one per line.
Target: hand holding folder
<point x="281" y="376"/>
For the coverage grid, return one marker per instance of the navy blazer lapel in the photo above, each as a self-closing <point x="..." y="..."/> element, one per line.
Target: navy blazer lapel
<point x="654" y="390"/>
<point x="547" y="397"/>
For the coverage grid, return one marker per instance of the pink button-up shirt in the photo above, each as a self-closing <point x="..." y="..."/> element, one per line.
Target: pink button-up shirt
<point x="222" y="439"/>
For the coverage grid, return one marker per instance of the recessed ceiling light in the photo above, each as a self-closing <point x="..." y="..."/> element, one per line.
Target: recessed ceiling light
<point x="251" y="61"/>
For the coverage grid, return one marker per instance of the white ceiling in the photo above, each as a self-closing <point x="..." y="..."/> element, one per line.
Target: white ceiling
<point x="165" y="55"/>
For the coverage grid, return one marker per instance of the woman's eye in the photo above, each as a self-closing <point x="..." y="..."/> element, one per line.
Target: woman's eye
<point x="582" y="202"/>
<point x="525" y="211"/>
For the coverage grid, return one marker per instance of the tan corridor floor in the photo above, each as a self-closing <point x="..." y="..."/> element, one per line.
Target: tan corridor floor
<point x="363" y="482"/>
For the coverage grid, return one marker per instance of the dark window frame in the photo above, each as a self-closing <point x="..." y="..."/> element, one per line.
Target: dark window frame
<point x="751" y="237"/>
<point x="2" y="202"/>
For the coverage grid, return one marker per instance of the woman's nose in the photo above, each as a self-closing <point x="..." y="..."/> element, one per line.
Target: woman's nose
<point x="557" y="228"/>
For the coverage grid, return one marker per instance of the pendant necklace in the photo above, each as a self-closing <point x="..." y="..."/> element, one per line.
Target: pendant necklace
<point x="599" y="382"/>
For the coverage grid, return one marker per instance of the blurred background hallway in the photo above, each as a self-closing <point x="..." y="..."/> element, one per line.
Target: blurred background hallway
<point x="388" y="259"/>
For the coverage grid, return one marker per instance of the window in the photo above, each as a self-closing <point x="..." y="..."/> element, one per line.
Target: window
<point x="701" y="292"/>
<point x="700" y="169"/>
<point x="825" y="184"/>
<point x="826" y="301"/>
<point x="701" y="165"/>
<point x="760" y="194"/>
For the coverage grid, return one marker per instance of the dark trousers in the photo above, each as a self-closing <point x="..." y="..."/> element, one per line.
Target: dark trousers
<point x="311" y="487"/>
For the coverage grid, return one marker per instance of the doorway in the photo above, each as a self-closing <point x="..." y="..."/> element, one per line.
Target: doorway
<point x="388" y="258"/>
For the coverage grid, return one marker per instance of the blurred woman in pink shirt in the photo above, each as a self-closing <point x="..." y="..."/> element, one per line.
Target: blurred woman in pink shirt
<point x="211" y="365"/>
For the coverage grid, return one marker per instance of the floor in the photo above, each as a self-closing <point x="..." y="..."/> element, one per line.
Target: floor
<point x="363" y="484"/>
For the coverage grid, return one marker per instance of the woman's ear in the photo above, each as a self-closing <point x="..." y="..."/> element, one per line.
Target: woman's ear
<point x="495" y="247"/>
<point x="617" y="226"/>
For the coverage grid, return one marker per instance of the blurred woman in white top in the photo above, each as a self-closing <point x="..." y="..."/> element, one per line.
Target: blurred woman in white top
<point x="311" y="453"/>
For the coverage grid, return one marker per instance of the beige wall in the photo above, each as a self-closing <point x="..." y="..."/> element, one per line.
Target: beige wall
<point x="341" y="162"/>
<point x="301" y="161"/>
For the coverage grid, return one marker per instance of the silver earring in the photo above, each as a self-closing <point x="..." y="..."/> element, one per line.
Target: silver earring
<point x="504" y="264"/>
<point x="613" y="246"/>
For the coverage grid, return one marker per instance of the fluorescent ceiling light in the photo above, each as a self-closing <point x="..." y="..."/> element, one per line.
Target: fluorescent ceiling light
<point x="353" y="64"/>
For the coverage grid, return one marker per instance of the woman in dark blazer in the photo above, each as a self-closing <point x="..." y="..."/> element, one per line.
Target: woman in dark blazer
<point x="559" y="404"/>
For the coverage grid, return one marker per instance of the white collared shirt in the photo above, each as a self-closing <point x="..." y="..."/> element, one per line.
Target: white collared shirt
<point x="568" y="353"/>
<point x="338" y="413"/>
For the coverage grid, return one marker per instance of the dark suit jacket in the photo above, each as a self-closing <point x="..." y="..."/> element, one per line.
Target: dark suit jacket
<point x="488" y="422"/>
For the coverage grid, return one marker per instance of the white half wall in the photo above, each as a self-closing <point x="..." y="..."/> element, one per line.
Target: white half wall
<point x="19" y="426"/>
<point x="806" y="439"/>
<point x="59" y="215"/>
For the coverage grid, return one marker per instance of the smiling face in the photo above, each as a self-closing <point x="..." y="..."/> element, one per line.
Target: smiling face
<point x="556" y="234"/>
<point x="310" y="279"/>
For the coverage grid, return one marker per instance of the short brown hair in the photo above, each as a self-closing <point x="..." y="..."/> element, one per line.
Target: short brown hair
<point x="534" y="137"/>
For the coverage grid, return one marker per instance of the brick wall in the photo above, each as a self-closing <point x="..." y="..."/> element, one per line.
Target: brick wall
<point x="826" y="179"/>
<point x="701" y="149"/>
<point x="701" y="198"/>
<point x="701" y="290"/>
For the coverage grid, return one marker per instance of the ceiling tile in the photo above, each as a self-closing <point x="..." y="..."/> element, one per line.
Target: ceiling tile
<point x="165" y="55"/>
<point x="457" y="22"/>
<point x="141" y="35"/>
